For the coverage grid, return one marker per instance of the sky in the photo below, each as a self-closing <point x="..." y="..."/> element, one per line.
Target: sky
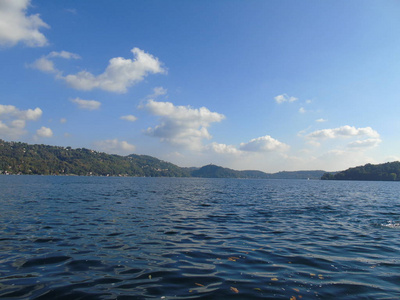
<point x="244" y="84"/>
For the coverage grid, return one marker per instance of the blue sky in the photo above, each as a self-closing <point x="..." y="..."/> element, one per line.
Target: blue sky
<point x="266" y="85"/>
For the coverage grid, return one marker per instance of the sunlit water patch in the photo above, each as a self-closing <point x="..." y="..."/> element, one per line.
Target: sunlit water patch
<point x="169" y="238"/>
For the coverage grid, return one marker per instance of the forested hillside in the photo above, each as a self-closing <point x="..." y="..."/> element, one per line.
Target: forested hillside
<point x="22" y="158"/>
<point x="381" y="172"/>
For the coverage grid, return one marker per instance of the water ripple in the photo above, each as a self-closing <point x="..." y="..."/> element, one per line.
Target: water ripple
<point x="141" y="238"/>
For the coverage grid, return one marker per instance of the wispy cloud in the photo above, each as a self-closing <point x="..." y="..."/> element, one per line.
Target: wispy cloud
<point x="115" y="147"/>
<point x="86" y="104"/>
<point x="344" y="131"/>
<point x="321" y="120"/>
<point x="157" y="91"/>
<point x="130" y="118"/>
<point x="284" y="98"/>
<point x="46" y="64"/>
<point x="367" y="143"/>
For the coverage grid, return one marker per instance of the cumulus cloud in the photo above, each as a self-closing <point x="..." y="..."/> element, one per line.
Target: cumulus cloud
<point x="120" y="73"/>
<point x="130" y="118"/>
<point x="344" y="131"/>
<point x="86" y="104"/>
<point x="10" y="111"/>
<point x="44" y="132"/>
<point x="16" y="26"/>
<point x="181" y="125"/>
<point x="13" y="120"/>
<point x="264" y="144"/>
<point x="115" y="147"/>
<point x="222" y="148"/>
<point x="284" y="98"/>
<point x="302" y="110"/>
<point x="367" y="143"/>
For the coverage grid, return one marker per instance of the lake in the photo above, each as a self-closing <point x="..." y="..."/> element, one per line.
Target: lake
<point x="188" y="238"/>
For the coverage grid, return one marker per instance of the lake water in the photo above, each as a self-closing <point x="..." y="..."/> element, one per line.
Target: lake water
<point x="172" y="238"/>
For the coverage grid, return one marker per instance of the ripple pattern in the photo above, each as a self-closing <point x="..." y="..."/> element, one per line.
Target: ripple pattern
<point x="170" y="238"/>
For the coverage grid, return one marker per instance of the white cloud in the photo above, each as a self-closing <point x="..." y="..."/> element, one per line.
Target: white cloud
<point x="120" y="73"/>
<point x="392" y="158"/>
<point x="157" y="91"/>
<point x="10" y="111"/>
<point x="16" y="26"/>
<point x="264" y="144"/>
<point x="87" y="104"/>
<point x="367" y="143"/>
<point x="11" y="131"/>
<point x="302" y="110"/>
<point x="13" y="120"/>
<point x="284" y="98"/>
<point x="45" y="64"/>
<point x="64" y="54"/>
<point x="130" y="118"/>
<point x="222" y="148"/>
<point x="320" y="120"/>
<point x="344" y="131"/>
<point x="44" y="132"/>
<point x="181" y="125"/>
<point x="115" y="147"/>
<point x="71" y="11"/>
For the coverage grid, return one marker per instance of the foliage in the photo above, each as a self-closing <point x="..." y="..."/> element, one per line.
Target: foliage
<point x="213" y="171"/>
<point x="22" y="158"/>
<point x="389" y="171"/>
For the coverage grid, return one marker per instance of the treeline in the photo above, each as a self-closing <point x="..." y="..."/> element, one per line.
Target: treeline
<point x="213" y="171"/>
<point x="26" y="159"/>
<point x="22" y="158"/>
<point x="381" y="172"/>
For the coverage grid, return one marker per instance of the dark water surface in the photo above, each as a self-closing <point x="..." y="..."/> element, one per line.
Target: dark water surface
<point x="164" y="238"/>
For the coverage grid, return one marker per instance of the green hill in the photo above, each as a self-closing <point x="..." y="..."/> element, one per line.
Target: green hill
<point x="381" y="172"/>
<point x="22" y="158"/>
<point x="213" y="171"/>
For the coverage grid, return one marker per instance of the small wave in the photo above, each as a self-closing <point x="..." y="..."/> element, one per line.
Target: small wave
<point x="45" y="261"/>
<point x="391" y="224"/>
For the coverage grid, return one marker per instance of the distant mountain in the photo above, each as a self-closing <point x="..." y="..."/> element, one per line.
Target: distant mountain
<point x="381" y="172"/>
<point x="298" y="174"/>
<point x="213" y="171"/>
<point x="23" y="158"/>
